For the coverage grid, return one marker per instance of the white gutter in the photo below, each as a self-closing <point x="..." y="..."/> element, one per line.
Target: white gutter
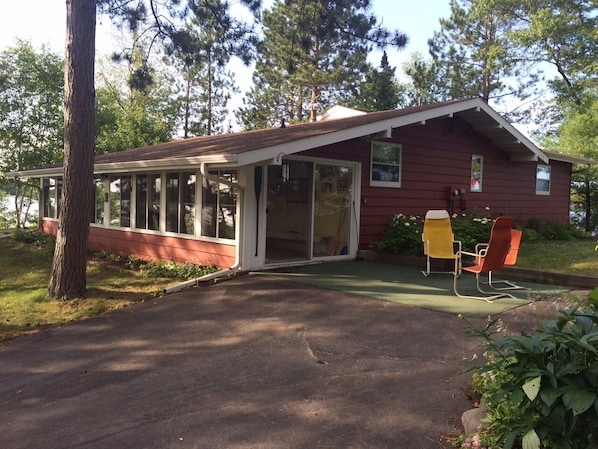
<point x="228" y="272"/>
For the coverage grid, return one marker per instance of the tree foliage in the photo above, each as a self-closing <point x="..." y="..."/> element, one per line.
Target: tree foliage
<point x="31" y="120"/>
<point x="379" y="89"/>
<point x="313" y="55"/>
<point x="130" y="118"/>
<point x="202" y="79"/>
<point x="473" y="54"/>
<point x="31" y="89"/>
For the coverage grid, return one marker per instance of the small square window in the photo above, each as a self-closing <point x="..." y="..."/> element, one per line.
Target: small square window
<point x="477" y="163"/>
<point x="386" y="164"/>
<point x="543" y="180"/>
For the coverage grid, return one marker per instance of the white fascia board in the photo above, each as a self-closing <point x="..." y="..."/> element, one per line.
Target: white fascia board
<point x="134" y="166"/>
<point x="369" y="129"/>
<point x="521" y="138"/>
<point x="162" y="164"/>
<point x="39" y="173"/>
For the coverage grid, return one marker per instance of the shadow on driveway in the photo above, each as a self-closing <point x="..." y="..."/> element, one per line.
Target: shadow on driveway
<point x="255" y="362"/>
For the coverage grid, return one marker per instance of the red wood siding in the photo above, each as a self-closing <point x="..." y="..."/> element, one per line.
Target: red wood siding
<point x="437" y="156"/>
<point x="155" y="247"/>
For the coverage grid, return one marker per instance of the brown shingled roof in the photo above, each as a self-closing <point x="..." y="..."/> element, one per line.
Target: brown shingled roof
<point x="257" y="146"/>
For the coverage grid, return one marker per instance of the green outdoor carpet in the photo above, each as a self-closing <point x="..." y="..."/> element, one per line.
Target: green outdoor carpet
<point x="406" y="285"/>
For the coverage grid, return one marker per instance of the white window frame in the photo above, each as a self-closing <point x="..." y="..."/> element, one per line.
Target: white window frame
<point x="476" y="179"/>
<point x="547" y="170"/>
<point x="379" y="183"/>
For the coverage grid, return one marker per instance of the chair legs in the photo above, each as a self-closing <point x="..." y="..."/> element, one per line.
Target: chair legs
<point x="490" y="296"/>
<point x="510" y="285"/>
<point x="428" y="271"/>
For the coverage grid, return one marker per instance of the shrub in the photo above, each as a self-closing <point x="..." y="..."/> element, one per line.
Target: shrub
<point x="173" y="270"/>
<point x="540" y="389"/>
<point x="555" y="231"/>
<point x="35" y="237"/>
<point x="593" y="298"/>
<point x="403" y="236"/>
<point x="471" y="229"/>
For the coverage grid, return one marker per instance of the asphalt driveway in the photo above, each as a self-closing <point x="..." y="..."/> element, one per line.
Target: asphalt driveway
<point x="255" y="362"/>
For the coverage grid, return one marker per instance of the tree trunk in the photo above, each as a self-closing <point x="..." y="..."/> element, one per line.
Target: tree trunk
<point x="68" y="278"/>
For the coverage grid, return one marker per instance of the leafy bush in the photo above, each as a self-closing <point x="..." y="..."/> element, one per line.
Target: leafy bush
<point x="173" y="270"/>
<point x="593" y="298"/>
<point x="35" y="237"/>
<point x="555" y="231"/>
<point x="540" y="389"/>
<point x="403" y="236"/>
<point x="160" y="268"/>
<point x="471" y="229"/>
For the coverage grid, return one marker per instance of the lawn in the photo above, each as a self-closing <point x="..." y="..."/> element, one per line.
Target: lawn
<point x="562" y="256"/>
<point x="25" y="270"/>
<point x="24" y="274"/>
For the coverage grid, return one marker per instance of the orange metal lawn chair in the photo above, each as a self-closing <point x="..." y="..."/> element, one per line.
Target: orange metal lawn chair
<point x="439" y="240"/>
<point x="510" y="260"/>
<point x="489" y="258"/>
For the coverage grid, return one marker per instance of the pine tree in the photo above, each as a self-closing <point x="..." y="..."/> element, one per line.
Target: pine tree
<point x="380" y="90"/>
<point x="313" y="55"/>
<point x="473" y="54"/>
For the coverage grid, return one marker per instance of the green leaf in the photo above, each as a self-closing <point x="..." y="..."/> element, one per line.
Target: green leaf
<point x="578" y="400"/>
<point x="531" y="440"/>
<point x="549" y="395"/>
<point x="532" y="387"/>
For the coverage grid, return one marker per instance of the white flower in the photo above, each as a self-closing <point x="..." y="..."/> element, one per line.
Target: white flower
<point x="407" y="223"/>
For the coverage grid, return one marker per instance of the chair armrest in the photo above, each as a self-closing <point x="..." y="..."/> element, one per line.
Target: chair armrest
<point x="481" y="247"/>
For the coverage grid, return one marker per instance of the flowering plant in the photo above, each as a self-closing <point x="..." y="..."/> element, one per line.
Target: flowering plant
<point x="403" y="236"/>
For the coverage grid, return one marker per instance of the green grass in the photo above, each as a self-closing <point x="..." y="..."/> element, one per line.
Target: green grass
<point x="25" y="270"/>
<point x="569" y="256"/>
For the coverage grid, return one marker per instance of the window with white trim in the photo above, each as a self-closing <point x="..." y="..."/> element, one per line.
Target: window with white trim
<point x="219" y="205"/>
<point x="477" y="164"/>
<point x="543" y="179"/>
<point x="52" y="191"/>
<point x="385" y="164"/>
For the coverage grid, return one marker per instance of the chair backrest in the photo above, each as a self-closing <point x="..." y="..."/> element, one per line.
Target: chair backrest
<point x="511" y="258"/>
<point x="498" y="246"/>
<point x="438" y="235"/>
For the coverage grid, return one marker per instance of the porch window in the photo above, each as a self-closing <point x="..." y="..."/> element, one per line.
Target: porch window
<point x="120" y="201"/>
<point x="99" y="201"/>
<point x="385" y="164"/>
<point x="52" y="191"/>
<point x="477" y="164"/>
<point x="147" y="202"/>
<point x="180" y="203"/>
<point x="543" y="180"/>
<point x="219" y="206"/>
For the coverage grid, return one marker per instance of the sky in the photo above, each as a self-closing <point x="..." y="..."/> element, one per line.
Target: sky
<point x="43" y="22"/>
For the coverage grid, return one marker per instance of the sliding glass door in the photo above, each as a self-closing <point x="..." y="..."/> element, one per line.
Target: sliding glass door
<point x="309" y="211"/>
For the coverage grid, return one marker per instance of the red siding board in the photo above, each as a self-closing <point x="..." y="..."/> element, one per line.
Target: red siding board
<point x="154" y="246"/>
<point x="435" y="159"/>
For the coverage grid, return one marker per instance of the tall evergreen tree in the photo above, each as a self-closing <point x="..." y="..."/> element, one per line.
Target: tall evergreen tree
<point x="68" y="277"/>
<point x="379" y="90"/>
<point x="425" y="86"/>
<point x="204" y="83"/>
<point x="313" y="55"/>
<point x="473" y="54"/>
<point x="561" y="33"/>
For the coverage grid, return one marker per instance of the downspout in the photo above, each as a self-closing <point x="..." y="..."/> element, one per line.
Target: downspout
<point x="228" y="272"/>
